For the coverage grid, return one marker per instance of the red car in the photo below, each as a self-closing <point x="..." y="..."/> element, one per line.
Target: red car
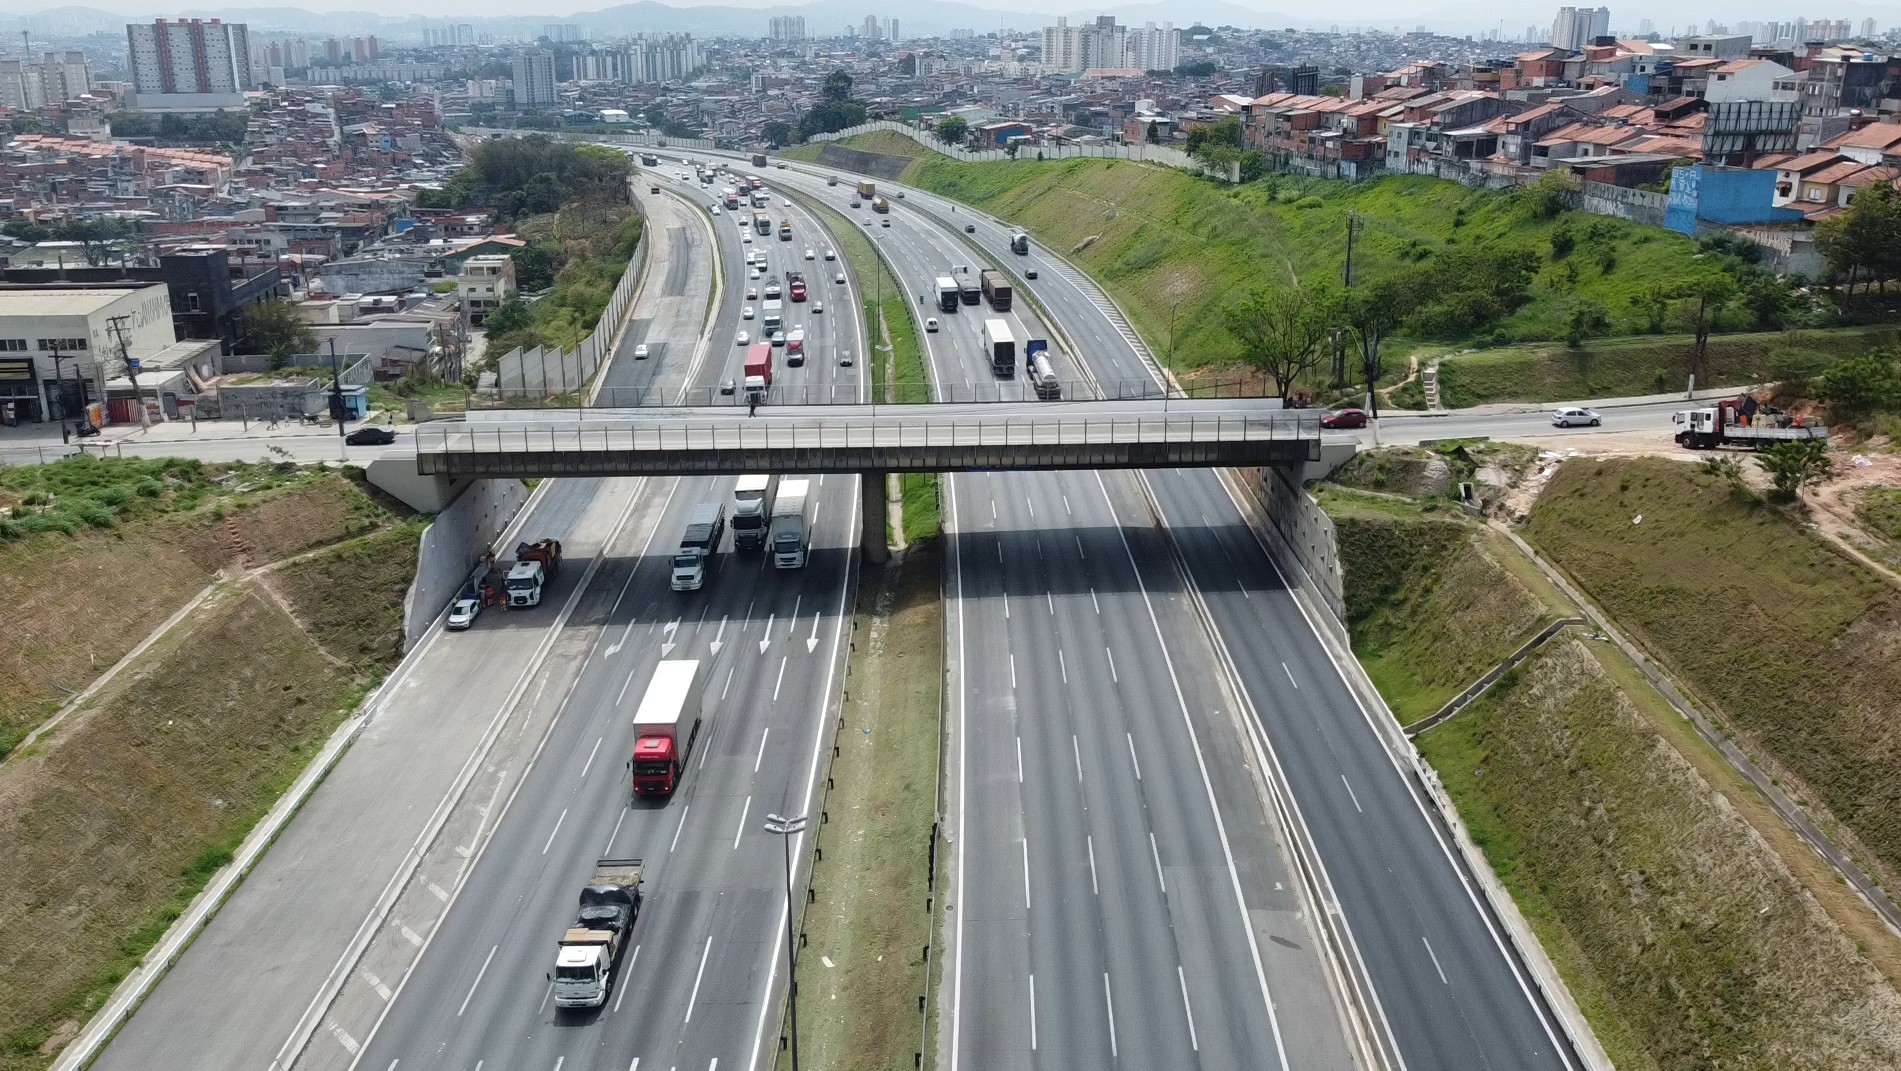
<point x="1344" y="418"/>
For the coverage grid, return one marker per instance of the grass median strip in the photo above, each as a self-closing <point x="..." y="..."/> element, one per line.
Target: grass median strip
<point x="862" y="969"/>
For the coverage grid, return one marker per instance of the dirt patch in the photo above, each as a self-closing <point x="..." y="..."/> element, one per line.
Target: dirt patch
<point x="1683" y="936"/>
<point x="110" y="825"/>
<point x="1855" y="510"/>
<point x="1792" y="646"/>
<point x="869" y="919"/>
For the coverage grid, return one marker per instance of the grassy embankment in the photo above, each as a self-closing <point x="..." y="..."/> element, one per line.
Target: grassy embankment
<point x="1690" y="923"/>
<point x="596" y="240"/>
<point x="898" y="375"/>
<point x="862" y="968"/>
<point x="1173" y="247"/>
<point x="113" y="821"/>
<point x="1625" y="367"/>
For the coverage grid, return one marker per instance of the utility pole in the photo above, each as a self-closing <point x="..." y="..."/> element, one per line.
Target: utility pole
<point x="117" y="326"/>
<point x="336" y="401"/>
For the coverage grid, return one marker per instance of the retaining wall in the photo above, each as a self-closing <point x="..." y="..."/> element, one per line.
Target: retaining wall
<point x="452" y="546"/>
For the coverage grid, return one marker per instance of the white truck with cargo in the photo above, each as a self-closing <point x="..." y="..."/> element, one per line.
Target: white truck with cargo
<point x="1741" y="421"/>
<point x="791" y="531"/>
<point x="591" y="948"/>
<point x="752" y="510"/>
<point x="698" y="544"/>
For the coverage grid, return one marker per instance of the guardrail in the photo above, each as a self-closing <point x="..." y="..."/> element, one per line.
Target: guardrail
<point x="896" y="431"/>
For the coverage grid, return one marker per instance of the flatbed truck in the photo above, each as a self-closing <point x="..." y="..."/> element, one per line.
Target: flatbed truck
<point x="591" y="948"/>
<point x="1742" y="422"/>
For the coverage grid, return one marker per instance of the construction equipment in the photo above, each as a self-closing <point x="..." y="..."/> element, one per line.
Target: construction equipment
<point x="1741" y="421"/>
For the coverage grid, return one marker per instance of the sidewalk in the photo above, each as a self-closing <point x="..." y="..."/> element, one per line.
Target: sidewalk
<point x="1510" y="408"/>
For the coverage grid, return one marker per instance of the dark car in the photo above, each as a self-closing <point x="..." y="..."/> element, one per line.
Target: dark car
<point x="1031" y="274"/>
<point x="970" y="228"/>
<point x="371" y="437"/>
<point x="1344" y="418"/>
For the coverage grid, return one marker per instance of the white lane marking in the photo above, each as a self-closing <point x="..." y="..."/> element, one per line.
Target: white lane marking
<point x="777" y="683"/>
<point x="1066" y="504"/>
<point x="1207" y="783"/>
<point x="1156" y="854"/>
<point x="793" y="621"/>
<point x="678" y="828"/>
<point x="1013" y="671"/>
<point x="609" y="850"/>
<point x="999" y="552"/>
<point x="546" y="993"/>
<point x="1188" y="1008"/>
<point x="1093" y="886"/>
<point x="762" y="749"/>
<point x="558" y="1061"/>
<point x="729" y="682"/>
<point x="719" y="638"/>
<point x="1077" y="749"/>
<point x="1112" y="665"/>
<point x="744" y="810"/>
<point x="476" y="984"/>
<point x="766" y="640"/>
<point x="1133" y="761"/>
<point x="1079" y="548"/>
<point x="377" y="984"/>
<point x="1062" y="665"/>
<point x="631" y="960"/>
<point x="623" y="687"/>
<point x="344" y="1039"/>
<point x="1351" y="794"/>
<point x="1019" y="760"/>
<point x="556" y="829"/>
<point x="1109" y="999"/>
<point x="1006" y="606"/>
<point x="701" y="973"/>
<point x="993" y="509"/>
<point x="1052" y="602"/>
<point x="1435" y="960"/>
<point x="635" y="1066"/>
<point x="590" y="757"/>
<point x="1026" y="873"/>
<point x="411" y="936"/>
<point x="1290" y="676"/>
<point x="1093" y="602"/>
<point x="1032" y="1013"/>
<point x="811" y="642"/>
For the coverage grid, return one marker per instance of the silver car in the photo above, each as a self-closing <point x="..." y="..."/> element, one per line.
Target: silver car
<point x="1571" y="416"/>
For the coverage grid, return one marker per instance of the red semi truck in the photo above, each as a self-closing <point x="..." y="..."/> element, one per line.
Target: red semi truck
<point x="795" y="285"/>
<point x="666" y="723"/>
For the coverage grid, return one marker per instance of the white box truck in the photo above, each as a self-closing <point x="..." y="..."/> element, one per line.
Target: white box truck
<point x="791" y="533"/>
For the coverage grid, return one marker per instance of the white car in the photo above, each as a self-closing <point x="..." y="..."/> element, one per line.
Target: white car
<point x="713" y="208"/>
<point x="463" y="614"/>
<point x="930" y="324"/>
<point x="746" y="238"/>
<point x="746" y="313"/>
<point x="640" y="352"/>
<point x="840" y="280"/>
<point x="831" y="254"/>
<point x="778" y="338"/>
<point x="744" y="338"/>
<point x="1571" y="416"/>
<point x="817" y="307"/>
<point x="809" y="255"/>
<point x="752" y="292"/>
<point x="786" y="201"/>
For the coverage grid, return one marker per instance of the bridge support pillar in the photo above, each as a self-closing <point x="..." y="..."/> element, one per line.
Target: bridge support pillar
<point x="877" y="516"/>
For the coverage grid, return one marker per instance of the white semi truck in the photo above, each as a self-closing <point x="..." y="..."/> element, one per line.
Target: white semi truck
<point x="791" y="532"/>
<point x="752" y="509"/>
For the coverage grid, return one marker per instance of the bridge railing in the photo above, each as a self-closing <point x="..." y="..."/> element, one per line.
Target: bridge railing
<point x="980" y="391"/>
<point x="862" y="433"/>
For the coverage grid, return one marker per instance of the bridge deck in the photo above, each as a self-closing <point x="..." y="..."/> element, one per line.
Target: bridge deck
<point x="900" y="440"/>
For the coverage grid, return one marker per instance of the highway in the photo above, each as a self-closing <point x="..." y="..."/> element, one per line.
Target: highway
<point x="1446" y="990"/>
<point x="698" y="985"/>
<point x="1122" y="896"/>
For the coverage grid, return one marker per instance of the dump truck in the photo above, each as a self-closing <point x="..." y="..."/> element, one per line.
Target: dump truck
<point x="666" y="724"/>
<point x="752" y="510"/>
<point x="591" y="948"/>
<point x="1741" y="421"/>
<point x="1020" y="243"/>
<point x="867" y="188"/>
<point x="535" y="566"/>
<point x="947" y="289"/>
<point x="758" y="159"/>
<point x="1037" y="366"/>
<point x="1000" y="345"/>
<point x="879" y="204"/>
<point x="704" y="529"/>
<point x="791" y="532"/>
<point x="996" y="288"/>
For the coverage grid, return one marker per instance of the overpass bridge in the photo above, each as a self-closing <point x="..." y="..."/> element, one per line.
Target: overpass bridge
<point x="872" y="441"/>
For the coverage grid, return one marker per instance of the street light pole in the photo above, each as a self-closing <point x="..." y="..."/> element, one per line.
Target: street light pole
<point x="785" y="829"/>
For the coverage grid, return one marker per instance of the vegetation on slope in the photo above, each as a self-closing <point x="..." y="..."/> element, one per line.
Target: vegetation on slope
<point x="1786" y="641"/>
<point x="587" y="246"/>
<point x="1681" y="933"/>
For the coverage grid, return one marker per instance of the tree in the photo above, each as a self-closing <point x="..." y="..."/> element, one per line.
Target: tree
<point x="25" y="230"/>
<point x="1224" y="132"/>
<point x="1550" y="194"/>
<point x="1795" y="464"/>
<point x="838" y="87"/>
<point x="1705" y="297"/>
<point x="96" y="234"/>
<point x="1585" y="318"/>
<point x="1859" y="386"/>
<point x="1373" y="309"/>
<point x="1768" y="299"/>
<point x="776" y="133"/>
<point x="954" y="130"/>
<point x="543" y="193"/>
<point x="534" y="266"/>
<point x="273" y="327"/>
<point x="1280" y="329"/>
<point x="1196" y="69"/>
<point x="1153" y="135"/>
<point x="1653" y="304"/>
<point x="1864" y="243"/>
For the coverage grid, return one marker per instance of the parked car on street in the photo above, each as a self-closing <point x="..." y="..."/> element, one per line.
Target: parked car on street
<point x="371" y="437"/>
<point x="463" y="614"/>
<point x="640" y="352"/>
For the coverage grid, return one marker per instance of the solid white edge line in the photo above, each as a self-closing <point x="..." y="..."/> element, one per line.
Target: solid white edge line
<point x="589" y="764"/>
<point x="473" y="986"/>
<point x="1188" y="1008"/>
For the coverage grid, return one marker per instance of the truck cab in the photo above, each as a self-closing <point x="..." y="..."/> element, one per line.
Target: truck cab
<point x="591" y="947"/>
<point x="524" y="584"/>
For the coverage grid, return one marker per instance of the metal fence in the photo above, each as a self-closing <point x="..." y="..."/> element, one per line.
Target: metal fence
<point x="895" y="431"/>
<point x="906" y="393"/>
<point x="1140" y="152"/>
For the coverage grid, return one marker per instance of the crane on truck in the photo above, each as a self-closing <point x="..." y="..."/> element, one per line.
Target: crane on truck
<point x="795" y="285"/>
<point x="591" y="947"/>
<point x="666" y="724"/>
<point x="1740" y="421"/>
